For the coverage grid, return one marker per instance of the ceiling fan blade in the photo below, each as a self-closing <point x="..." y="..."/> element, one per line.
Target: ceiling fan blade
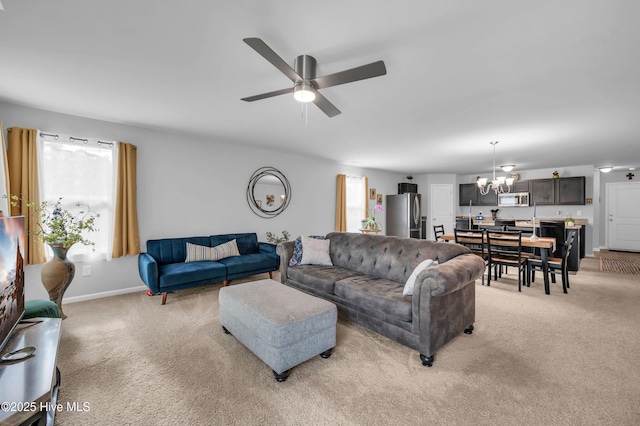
<point x="325" y="106"/>
<point x="265" y="51"/>
<point x="374" y="69"/>
<point x="268" y="95"/>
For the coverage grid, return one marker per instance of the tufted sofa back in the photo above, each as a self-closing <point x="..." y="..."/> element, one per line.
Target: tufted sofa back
<point x="393" y="258"/>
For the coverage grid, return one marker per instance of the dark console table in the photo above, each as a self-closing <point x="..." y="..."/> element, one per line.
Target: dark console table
<point x="29" y="388"/>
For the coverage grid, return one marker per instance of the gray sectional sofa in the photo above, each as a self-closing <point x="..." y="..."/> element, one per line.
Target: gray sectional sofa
<point x="367" y="279"/>
<point x="163" y="268"/>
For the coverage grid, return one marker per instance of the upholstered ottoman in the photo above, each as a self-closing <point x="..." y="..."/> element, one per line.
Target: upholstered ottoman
<point x="281" y="325"/>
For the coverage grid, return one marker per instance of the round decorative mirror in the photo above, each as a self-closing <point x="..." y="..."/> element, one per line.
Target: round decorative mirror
<point x="268" y="192"/>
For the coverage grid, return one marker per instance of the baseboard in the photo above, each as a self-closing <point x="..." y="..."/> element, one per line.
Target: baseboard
<point x="104" y="294"/>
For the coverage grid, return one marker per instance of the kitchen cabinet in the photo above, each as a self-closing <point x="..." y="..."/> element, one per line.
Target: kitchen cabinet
<point x="520" y="186"/>
<point x="542" y="192"/>
<point x="468" y="192"/>
<point x="471" y="192"/>
<point x="570" y="190"/>
<point x="561" y="191"/>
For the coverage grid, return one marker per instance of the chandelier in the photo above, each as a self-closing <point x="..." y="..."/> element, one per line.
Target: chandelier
<point x="497" y="184"/>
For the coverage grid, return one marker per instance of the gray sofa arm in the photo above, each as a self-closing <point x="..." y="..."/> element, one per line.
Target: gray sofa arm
<point x="450" y="276"/>
<point x="443" y="302"/>
<point x="285" y="251"/>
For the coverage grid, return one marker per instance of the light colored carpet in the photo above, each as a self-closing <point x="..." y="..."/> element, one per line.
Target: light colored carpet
<point x="621" y="266"/>
<point x="533" y="359"/>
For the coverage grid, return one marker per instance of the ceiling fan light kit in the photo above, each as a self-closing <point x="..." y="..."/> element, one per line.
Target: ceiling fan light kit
<point x="303" y="75"/>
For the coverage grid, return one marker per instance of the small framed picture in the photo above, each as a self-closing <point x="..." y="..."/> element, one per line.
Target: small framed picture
<point x="372" y="193"/>
<point x="379" y="199"/>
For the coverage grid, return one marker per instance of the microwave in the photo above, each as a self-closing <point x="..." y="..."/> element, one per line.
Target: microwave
<point x="515" y="199"/>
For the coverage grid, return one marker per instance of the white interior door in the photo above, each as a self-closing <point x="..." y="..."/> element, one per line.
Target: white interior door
<point x="441" y="208"/>
<point x="623" y="216"/>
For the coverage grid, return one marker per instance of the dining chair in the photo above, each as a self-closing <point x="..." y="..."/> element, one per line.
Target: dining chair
<point x="555" y="229"/>
<point x="504" y="222"/>
<point x="556" y="266"/>
<point x="475" y="240"/>
<point x="504" y="248"/>
<point x="463" y="223"/>
<point x="438" y="231"/>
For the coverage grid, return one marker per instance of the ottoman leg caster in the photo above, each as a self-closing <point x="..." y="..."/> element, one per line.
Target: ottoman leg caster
<point x="326" y="354"/>
<point x="282" y="376"/>
<point x="225" y="330"/>
<point x="469" y="330"/>
<point x="427" y="361"/>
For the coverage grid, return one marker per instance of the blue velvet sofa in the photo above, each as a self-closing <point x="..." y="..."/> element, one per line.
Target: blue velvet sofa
<point x="163" y="268"/>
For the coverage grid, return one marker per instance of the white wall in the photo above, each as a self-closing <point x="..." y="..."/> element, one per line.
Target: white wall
<point x="191" y="186"/>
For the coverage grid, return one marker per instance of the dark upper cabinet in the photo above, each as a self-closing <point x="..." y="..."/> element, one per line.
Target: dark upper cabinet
<point x="570" y="190"/>
<point x="520" y="186"/>
<point x="491" y="199"/>
<point x="542" y="192"/>
<point x="561" y="191"/>
<point x="468" y="192"/>
<point x="471" y="192"/>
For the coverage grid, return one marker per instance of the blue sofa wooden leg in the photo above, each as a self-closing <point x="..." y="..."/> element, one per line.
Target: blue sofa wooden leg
<point x="164" y="297"/>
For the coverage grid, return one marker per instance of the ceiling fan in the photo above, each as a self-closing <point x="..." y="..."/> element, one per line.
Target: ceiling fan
<point x="303" y="75"/>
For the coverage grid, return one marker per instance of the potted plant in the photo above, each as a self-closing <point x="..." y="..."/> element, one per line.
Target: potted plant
<point x="274" y="239"/>
<point x="60" y="229"/>
<point x="369" y="224"/>
<point x="568" y="221"/>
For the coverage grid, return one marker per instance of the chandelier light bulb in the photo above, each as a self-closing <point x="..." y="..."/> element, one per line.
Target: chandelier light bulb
<point x="497" y="183"/>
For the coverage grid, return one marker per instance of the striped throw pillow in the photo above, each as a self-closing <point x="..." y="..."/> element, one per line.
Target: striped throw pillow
<point x="196" y="253"/>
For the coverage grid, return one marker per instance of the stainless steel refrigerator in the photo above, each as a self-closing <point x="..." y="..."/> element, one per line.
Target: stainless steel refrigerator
<point x="403" y="215"/>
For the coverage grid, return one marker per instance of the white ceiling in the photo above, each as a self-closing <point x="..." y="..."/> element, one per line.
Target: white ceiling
<point x="556" y="82"/>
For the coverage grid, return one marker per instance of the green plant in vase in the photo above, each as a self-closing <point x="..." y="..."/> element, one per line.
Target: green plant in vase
<point x="370" y="223"/>
<point x="274" y="239"/>
<point x="60" y="229"/>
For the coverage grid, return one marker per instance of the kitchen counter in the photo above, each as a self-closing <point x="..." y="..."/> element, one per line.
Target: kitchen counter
<point x="579" y="223"/>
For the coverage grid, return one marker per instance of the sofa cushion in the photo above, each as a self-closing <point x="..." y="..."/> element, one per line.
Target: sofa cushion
<point x="320" y="277"/>
<point x="296" y="257"/>
<point x="183" y="273"/>
<point x="377" y="294"/>
<point x="408" y="286"/>
<point x="173" y="250"/>
<point x="247" y="242"/>
<point x="248" y="263"/>
<point x="315" y="252"/>
<point x="196" y="253"/>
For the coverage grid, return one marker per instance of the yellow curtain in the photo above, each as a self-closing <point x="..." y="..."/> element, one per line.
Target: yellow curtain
<point x="126" y="240"/>
<point x="22" y="160"/>
<point x="366" y="197"/>
<point x="341" y="203"/>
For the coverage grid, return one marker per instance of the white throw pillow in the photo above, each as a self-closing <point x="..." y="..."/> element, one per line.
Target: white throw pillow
<point x="408" y="287"/>
<point x="315" y="252"/>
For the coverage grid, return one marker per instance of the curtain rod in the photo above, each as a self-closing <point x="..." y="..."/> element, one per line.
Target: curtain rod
<point x="74" y="139"/>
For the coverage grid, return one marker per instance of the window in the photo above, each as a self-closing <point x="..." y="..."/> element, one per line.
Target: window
<point x="80" y="171"/>
<point x="356" y="198"/>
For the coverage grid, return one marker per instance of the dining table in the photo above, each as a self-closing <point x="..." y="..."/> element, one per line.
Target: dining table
<point x="545" y="244"/>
